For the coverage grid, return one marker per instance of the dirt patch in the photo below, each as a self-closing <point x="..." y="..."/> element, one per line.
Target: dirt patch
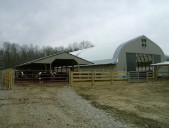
<point x="51" y="106"/>
<point x="142" y="104"/>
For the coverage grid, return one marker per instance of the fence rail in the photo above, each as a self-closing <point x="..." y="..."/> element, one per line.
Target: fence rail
<point x="97" y="76"/>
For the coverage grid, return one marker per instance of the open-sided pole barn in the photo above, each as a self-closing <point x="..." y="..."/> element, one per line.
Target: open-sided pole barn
<point x="47" y="65"/>
<point x="52" y="61"/>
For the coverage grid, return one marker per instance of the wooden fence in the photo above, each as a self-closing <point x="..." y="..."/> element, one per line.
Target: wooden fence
<point x="9" y="75"/>
<point x="97" y="76"/>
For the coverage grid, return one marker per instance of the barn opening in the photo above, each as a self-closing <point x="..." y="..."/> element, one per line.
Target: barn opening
<point x="141" y="62"/>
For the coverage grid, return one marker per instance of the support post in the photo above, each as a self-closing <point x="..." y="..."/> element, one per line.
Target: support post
<point x="50" y="67"/>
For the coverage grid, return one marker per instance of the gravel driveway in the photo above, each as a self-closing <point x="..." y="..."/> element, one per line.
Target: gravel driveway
<point x="51" y="107"/>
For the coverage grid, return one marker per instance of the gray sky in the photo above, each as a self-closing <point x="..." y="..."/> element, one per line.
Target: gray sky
<point x="103" y="22"/>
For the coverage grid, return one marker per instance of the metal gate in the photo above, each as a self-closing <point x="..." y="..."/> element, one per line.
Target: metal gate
<point x="135" y="76"/>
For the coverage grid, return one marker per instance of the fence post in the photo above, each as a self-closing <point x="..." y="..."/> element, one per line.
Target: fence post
<point x="92" y="78"/>
<point x="71" y="77"/>
<point x="10" y="79"/>
<point x="13" y="78"/>
<point x="128" y="76"/>
<point x="111" y="74"/>
<point x="147" y="75"/>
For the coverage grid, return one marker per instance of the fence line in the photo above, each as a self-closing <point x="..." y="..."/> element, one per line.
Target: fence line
<point x="9" y="75"/>
<point x="97" y="76"/>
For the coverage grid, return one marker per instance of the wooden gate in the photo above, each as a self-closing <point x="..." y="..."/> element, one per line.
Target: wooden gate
<point x="8" y="78"/>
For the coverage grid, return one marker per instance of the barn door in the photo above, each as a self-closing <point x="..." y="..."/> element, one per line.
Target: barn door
<point x="131" y="61"/>
<point x="157" y="59"/>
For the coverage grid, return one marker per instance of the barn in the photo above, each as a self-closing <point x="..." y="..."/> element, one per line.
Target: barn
<point x="134" y="55"/>
<point x="53" y="61"/>
<point x="54" y="68"/>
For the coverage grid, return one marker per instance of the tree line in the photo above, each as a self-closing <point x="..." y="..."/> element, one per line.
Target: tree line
<point x="12" y="54"/>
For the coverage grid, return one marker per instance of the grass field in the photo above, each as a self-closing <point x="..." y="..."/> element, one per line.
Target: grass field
<point x="142" y="104"/>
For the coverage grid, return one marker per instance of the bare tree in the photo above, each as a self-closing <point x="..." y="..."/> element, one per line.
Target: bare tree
<point x="85" y="44"/>
<point x="13" y="54"/>
<point x="79" y="46"/>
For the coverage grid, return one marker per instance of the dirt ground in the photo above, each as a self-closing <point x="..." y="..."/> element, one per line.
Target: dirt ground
<point x="144" y="104"/>
<point x="51" y="106"/>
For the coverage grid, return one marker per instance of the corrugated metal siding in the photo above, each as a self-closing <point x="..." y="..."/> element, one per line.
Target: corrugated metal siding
<point x="109" y="67"/>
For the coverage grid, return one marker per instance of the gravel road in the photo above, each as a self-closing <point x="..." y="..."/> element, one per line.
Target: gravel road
<point x="51" y="107"/>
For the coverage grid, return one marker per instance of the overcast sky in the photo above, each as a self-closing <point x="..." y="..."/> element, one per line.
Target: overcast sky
<point x="103" y="22"/>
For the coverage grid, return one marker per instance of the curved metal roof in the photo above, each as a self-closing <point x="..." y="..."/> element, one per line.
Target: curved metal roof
<point x="118" y="50"/>
<point x="97" y="55"/>
<point x="105" y="54"/>
<point x="102" y="54"/>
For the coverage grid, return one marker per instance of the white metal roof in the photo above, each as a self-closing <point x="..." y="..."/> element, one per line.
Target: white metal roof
<point x="103" y="54"/>
<point x="166" y="63"/>
<point x="97" y="55"/>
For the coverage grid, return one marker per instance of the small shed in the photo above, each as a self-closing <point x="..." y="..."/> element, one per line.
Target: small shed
<point x="162" y="69"/>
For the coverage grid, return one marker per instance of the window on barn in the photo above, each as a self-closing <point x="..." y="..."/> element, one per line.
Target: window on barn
<point x="143" y="40"/>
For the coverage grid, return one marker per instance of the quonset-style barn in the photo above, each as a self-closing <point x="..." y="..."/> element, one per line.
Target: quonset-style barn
<point x="134" y="55"/>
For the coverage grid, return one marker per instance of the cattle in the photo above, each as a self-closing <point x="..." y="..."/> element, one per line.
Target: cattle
<point x="41" y="76"/>
<point x="44" y="76"/>
<point x="19" y="74"/>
